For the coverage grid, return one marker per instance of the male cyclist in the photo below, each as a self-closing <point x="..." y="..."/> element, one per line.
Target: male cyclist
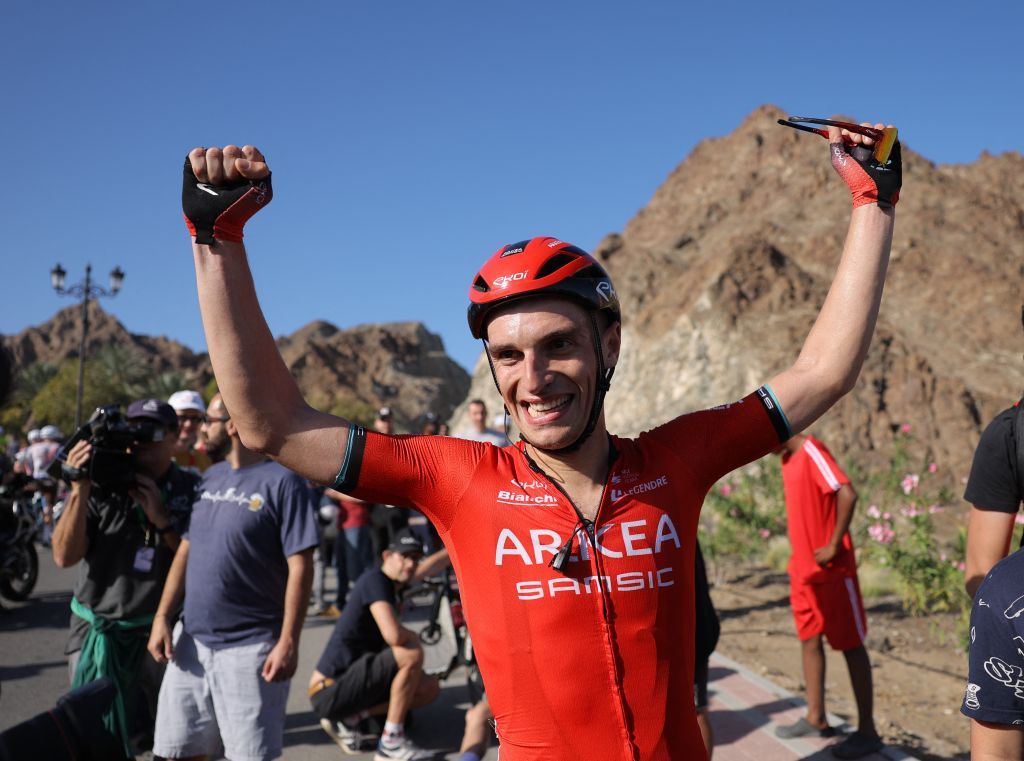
<point x="573" y="548"/>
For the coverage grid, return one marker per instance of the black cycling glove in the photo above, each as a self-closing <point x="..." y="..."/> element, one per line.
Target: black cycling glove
<point x="869" y="180"/>
<point x="221" y="211"/>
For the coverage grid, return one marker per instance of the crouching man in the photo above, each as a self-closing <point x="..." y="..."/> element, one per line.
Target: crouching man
<point x="373" y="665"/>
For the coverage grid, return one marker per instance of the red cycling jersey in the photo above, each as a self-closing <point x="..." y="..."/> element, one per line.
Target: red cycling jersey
<point x="595" y="661"/>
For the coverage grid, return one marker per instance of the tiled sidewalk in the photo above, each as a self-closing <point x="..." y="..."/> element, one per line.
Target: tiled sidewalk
<point x="746" y="708"/>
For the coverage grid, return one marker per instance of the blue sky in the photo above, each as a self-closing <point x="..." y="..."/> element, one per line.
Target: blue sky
<point x="409" y="140"/>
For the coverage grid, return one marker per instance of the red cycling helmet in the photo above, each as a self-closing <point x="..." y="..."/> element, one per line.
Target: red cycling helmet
<point x="539" y="267"/>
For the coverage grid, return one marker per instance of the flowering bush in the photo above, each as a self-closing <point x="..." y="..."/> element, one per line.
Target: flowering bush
<point x="743" y="514"/>
<point x="930" y="576"/>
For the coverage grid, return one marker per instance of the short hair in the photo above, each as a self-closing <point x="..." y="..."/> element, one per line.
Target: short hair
<point x="477" y="401"/>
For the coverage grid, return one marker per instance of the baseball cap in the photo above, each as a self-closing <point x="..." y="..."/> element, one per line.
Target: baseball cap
<point x="406" y="542"/>
<point x="384" y="412"/>
<point x="187" y="400"/>
<point x="154" y="409"/>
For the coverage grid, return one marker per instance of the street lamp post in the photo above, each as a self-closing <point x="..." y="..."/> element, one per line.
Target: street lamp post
<point x="86" y="290"/>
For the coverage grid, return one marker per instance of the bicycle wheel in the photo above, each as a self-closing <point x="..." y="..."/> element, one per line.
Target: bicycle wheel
<point x="20" y="584"/>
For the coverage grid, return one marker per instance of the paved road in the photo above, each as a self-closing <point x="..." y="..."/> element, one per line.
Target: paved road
<point x="745" y="708"/>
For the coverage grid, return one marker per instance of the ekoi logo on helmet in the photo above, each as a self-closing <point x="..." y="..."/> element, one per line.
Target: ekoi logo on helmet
<point x="505" y="280"/>
<point x="605" y="291"/>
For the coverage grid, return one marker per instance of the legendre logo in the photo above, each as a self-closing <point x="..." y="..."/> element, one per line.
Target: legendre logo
<point x="646" y="486"/>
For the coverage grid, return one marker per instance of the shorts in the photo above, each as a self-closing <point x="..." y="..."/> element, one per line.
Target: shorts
<point x="209" y="697"/>
<point x="364" y="684"/>
<point x="832" y="607"/>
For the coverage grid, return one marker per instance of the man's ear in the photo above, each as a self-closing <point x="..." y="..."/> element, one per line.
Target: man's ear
<point x="232" y="429"/>
<point x="611" y="343"/>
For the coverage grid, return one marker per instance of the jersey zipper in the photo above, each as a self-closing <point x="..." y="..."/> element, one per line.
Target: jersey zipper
<point x="561" y="559"/>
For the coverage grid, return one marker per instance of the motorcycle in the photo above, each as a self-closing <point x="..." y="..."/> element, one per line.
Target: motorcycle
<point x="20" y="524"/>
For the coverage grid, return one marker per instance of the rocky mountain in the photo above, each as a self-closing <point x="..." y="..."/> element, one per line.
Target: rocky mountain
<point x="722" y="272"/>
<point x="359" y="369"/>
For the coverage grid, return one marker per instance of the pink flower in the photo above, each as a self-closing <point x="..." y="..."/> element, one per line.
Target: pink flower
<point x="734" y="512"/>
<point x="725" y="490"/>
<point x="764" y="533"/>
<point x="911" y="512"/>
<point x="874" y="512"/>
<point x="932" y="467"/>
<point x="961" y="566"/>
<point x="942" y="556"/>
<point x="910" y="482"/>
<point x="905" y="428"/>
<point x="933" y="509"/>
<point x="1018" y="519"/>
<point x="881" y="533"/>
<point x="886" y="516"/>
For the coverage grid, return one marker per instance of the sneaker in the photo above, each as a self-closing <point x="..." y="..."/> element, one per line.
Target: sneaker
<point x="331" y="611"/>
<point x="346" y="739"/>
<point x="405" y="749"/>
<point x="803" y="728"/>
<point x="857" y="745"/>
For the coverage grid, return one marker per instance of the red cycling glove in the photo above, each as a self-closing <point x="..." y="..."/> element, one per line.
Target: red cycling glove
<point x="221" y="211"/>
<point x="869" y="180"/>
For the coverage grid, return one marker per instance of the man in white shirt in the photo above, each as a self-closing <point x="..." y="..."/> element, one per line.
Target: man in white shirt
<point x="480" y="431"/>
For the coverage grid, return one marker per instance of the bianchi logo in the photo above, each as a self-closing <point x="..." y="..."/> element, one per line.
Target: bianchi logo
<point x="640" y="488"/>
<point x="519" y="496"/>
<point x="254" y="502"/>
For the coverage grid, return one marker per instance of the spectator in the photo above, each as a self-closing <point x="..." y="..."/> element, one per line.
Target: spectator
<point x="354" y="532"/>
<point x="373" y="665"/>
<point x="824" y="593"/>
<point x="431" y="425"/>
<point x="125" y="542"/>
<point x="191" y="413"/>
<point x="707" y="629"/>
<point x="995" y="489"/>
<point x="41" y="454"/>
<point x="993" y="699"/>
<point x="327" y="555"/>
<point x="480" y="432"/>
<point x="477" y="735"/>
<point x="385" y="520"/>
<point x="236" y="648"/>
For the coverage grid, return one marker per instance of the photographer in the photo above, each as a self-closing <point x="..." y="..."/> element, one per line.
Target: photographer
<point x="124" y="531"/>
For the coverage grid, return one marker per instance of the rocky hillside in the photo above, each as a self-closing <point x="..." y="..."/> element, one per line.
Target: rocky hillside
<point x="401" y="365"/>
<point x="721" y="275"/>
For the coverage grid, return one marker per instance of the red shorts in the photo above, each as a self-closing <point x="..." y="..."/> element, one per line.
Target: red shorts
<point x="832" y="607"/>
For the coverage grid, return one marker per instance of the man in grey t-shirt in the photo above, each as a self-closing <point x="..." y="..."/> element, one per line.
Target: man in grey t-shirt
<point x="480" y="432"/>
<point x="246" y="563"/>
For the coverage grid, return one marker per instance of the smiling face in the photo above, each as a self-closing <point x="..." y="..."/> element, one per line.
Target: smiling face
<point x="544" y="360"/>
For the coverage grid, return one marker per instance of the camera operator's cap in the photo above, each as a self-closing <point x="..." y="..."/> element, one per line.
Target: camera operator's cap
<point x="406" y="542"/>
<point x="154" y="409"/>
<point x="384" y="412"/>
<point x="187" y="400"/>
<point x="51" y="433"/>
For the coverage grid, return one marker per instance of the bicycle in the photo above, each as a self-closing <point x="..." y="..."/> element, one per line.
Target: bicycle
<point x="445" y="619"/>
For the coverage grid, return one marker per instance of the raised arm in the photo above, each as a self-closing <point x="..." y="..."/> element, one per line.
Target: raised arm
<point x="222" y="189"/>
<point x="832" y="354"/>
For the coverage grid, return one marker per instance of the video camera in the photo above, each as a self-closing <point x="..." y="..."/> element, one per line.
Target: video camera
<point x="113" y="439"/>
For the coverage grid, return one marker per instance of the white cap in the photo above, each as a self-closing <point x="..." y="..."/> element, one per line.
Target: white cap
<point x="34" y="436"/>
<point x="187" y="400"/>
<point x="50" y="432"/>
